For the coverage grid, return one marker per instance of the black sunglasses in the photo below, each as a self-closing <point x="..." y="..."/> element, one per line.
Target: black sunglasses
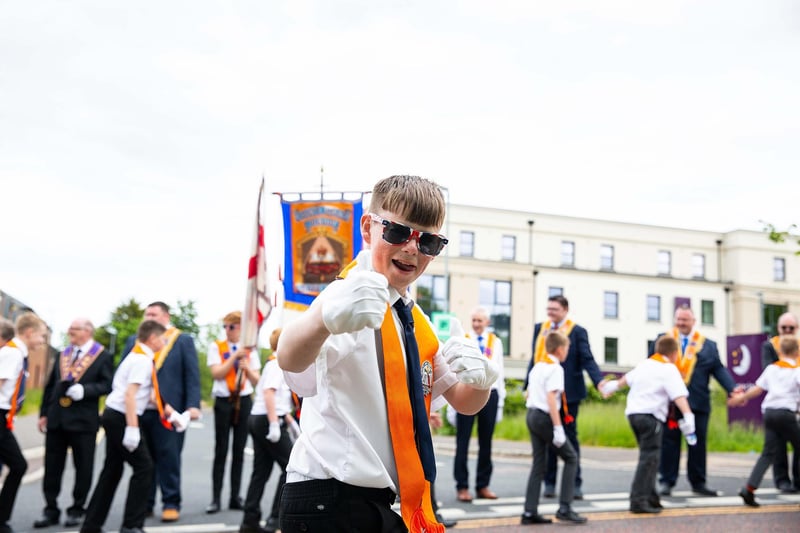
<point x="430" y="244"/>
<point x="788" y="328"/>
<point x="231" y="327"/>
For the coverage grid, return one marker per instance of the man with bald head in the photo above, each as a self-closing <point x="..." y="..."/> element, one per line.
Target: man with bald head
<point x="787" y="325"/>
<point x="68" y="416"/>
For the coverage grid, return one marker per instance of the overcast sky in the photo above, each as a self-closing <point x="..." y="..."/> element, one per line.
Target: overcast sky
<point x="133" y="135"/>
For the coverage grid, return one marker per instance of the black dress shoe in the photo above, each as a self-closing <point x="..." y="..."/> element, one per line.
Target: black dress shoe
<point x="645" y="509"/>
<point x="787" y="488"/>
<point x="46" y="521"/>
<point x="748" y="497"/>
<point x="444" y="521"/>
<point x="212" y="507"/>
<point x="73" y="520"/>
<point x="568" y="515"/>
<point x="236" y="504"/>
<point x="704" y="491"/>
<point x="530" y="518"/>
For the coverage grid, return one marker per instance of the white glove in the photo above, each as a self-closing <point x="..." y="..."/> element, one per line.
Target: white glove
<point x="451" y="415"/>
<point x="131" y="438"/>
<point x="180" y="420"/>
<point x="357" y="302"/>
<point x="607" y="388"/>
<point x="687" y="424"/>
<point x="274" y="434"/>
<point x="294" y="430"/>
<point x="466" y="360"/>
<point x="499" y="417"/>
<point x="559" y="437"/>
<point x="75" y="392"/>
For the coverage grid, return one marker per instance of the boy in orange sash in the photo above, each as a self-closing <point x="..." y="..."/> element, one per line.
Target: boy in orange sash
<point x="367" y="363"/>
<point x="654" y="383"/>
<point x="781" y="380"/>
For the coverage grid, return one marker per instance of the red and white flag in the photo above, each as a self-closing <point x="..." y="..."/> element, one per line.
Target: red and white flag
<point x="257" y="305"/>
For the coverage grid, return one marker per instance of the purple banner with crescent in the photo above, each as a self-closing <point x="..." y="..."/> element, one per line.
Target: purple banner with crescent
<point x="744" y="362"/>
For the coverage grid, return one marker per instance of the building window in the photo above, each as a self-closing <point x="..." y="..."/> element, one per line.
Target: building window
<point x="610" y="304"/>
<point x="495" y="296"/>
<point x="779" y="269"/>
<point x="699" y="266"/>
<point x="611" y="349"/>
<point x="606" y="257"/>
<point x="509" y="252"/>
<point x="466" y="244"/>
<point x="707" y="312"/>
<point x="664" y="263"/>
<point x="432" y="293"/>
<point x="567" y="253"/>
<point x="653" y="308"/>
<point x="555" y="291"/>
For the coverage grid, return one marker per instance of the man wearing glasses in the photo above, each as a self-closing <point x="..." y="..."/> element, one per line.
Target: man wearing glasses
<point x="235" y="372"/>
<point x="787" y="325"/>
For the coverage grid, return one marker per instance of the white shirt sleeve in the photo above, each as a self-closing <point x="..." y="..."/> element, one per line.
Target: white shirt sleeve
<point x="213" y="356"/>
<point x="141" y="371"/>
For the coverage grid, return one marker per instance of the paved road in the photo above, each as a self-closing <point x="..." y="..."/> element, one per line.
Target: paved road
<point x="607" y="476"/>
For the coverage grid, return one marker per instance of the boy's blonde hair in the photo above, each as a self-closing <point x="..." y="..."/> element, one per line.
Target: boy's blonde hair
<point x="418" y="200"/>
<point x="26" y="321"/>
<point x="554" y="341"/>
<point x="234" y="317"/>
<point x="666" y="345"/>
<point x="789" y="345"/>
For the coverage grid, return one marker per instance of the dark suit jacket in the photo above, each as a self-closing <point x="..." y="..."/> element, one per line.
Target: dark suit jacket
<point x="579" y="358"/>
<point x="82" y="415"/>
<point x="768" y="354"/>
<point x="179" y="376"/>
<point x="708" y="364"/>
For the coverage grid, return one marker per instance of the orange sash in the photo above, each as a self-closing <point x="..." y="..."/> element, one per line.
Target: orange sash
<point x="540" y="354"/>
<point x="784" y="364"/>
<point x="230" y="377"/>
<point x="776" y="344"/>
<point x="172" y="335"/>
<point x="568" y="418"/>
<point x="688" y="359"/>
<point x="659" y="358"/>
<point x="415" y="490"/>
<point x="156" y="392"/>
<point x="12" y="412"/>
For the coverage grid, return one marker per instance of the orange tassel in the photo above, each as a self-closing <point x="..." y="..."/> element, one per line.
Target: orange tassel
<point x="420" y="524"/>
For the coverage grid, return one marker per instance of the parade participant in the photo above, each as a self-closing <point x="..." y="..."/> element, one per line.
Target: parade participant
<point x="367" y="363"/>
<point x="781" y="381"/>
<point x="579" y="359"/>
<point x="69" y="418"/>
<point x="492" y="347"/>
<point x="235" y="372"/>
<point x="698" y="361"/>
<point x="30" y="335"/>
<point x="134" y="385"/>
<point x="787" y="325"/>
<point x="654" y="383"/>
<point x="6" y="331"/>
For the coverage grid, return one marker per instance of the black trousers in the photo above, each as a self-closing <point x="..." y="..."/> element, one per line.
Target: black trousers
<point x="696" y="455"/>
<point x="486" y="417"/>
<point x="330" y="506"/>
<point x="224" y="425"/>
<point x="10" y="456"/>
<point x="139" y="485"/>
<point x="780" y="468"/>
<point x="647" y="430"/>
<point x="57" y="441"/>
<point x="571" y="430"/>
<point x="165" y="447"/>
<point x="780" y="425"/>
<point x="265" y="455"/>
<point x="540" y="427"/>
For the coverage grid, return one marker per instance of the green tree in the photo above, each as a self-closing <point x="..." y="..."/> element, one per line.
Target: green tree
<point x="124" y="321"/>
<point x="185" y="318"/>
<point x="776" y="235"/>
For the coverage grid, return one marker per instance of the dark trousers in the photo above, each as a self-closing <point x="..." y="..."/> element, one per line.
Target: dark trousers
<point x="265" y="455"/>
<point x="10" y="456"/>
<point x="165" y="448"/>
<point x="486" y="420"/>
<point x="328" y="506"/>
<point x="780" y="468"/>
<point x="541" y="429"/>
<point x="571" y="431"/>
<point x="116" y="457"/>
<point x="224" y="425"/>
<point x="56" y="443"/>
<point x="647" y="429"/>
<point x="696" y="455"/>
<point x="780" y="425"/>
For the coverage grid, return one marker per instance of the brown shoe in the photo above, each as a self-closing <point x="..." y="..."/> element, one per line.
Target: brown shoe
<point x="170" y="515"/>
<point x="486" y="494"/>
<point x="463" y="495"/>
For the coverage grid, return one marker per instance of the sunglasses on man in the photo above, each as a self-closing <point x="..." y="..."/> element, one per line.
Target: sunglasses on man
<point x="788" y="328"/>
<point x="430" y="244"/>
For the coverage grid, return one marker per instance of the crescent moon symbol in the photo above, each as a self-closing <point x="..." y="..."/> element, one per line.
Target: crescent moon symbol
<point x="744" y="365"/>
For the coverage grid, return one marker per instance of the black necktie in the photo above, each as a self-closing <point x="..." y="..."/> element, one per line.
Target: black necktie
<point x="422" y="431"/>
<point x="77" y="355"/>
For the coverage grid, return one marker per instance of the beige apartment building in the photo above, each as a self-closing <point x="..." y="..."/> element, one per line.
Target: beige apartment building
<point x="623" y="281"/>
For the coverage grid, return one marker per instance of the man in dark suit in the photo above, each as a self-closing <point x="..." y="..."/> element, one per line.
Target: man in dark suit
<point x="699" y="360"/>
<point x="178" y="375"/>
<point x="69" y="417"/>
<point x="579" y="358"/>
<point x="787" y="325"/>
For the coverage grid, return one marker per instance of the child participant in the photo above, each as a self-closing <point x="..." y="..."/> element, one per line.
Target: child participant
<point x="368" y="363"/>
<point x="781" y="380"/>
<point x="133" y="385"/>
<point x="545" y="393"/>
<point x="654" y="383"/>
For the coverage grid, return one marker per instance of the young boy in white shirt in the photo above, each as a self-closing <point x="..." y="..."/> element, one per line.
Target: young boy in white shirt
<point x="545" y="395"/>
<point x="654" y="383"/>
<point x="781" y="380"/>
